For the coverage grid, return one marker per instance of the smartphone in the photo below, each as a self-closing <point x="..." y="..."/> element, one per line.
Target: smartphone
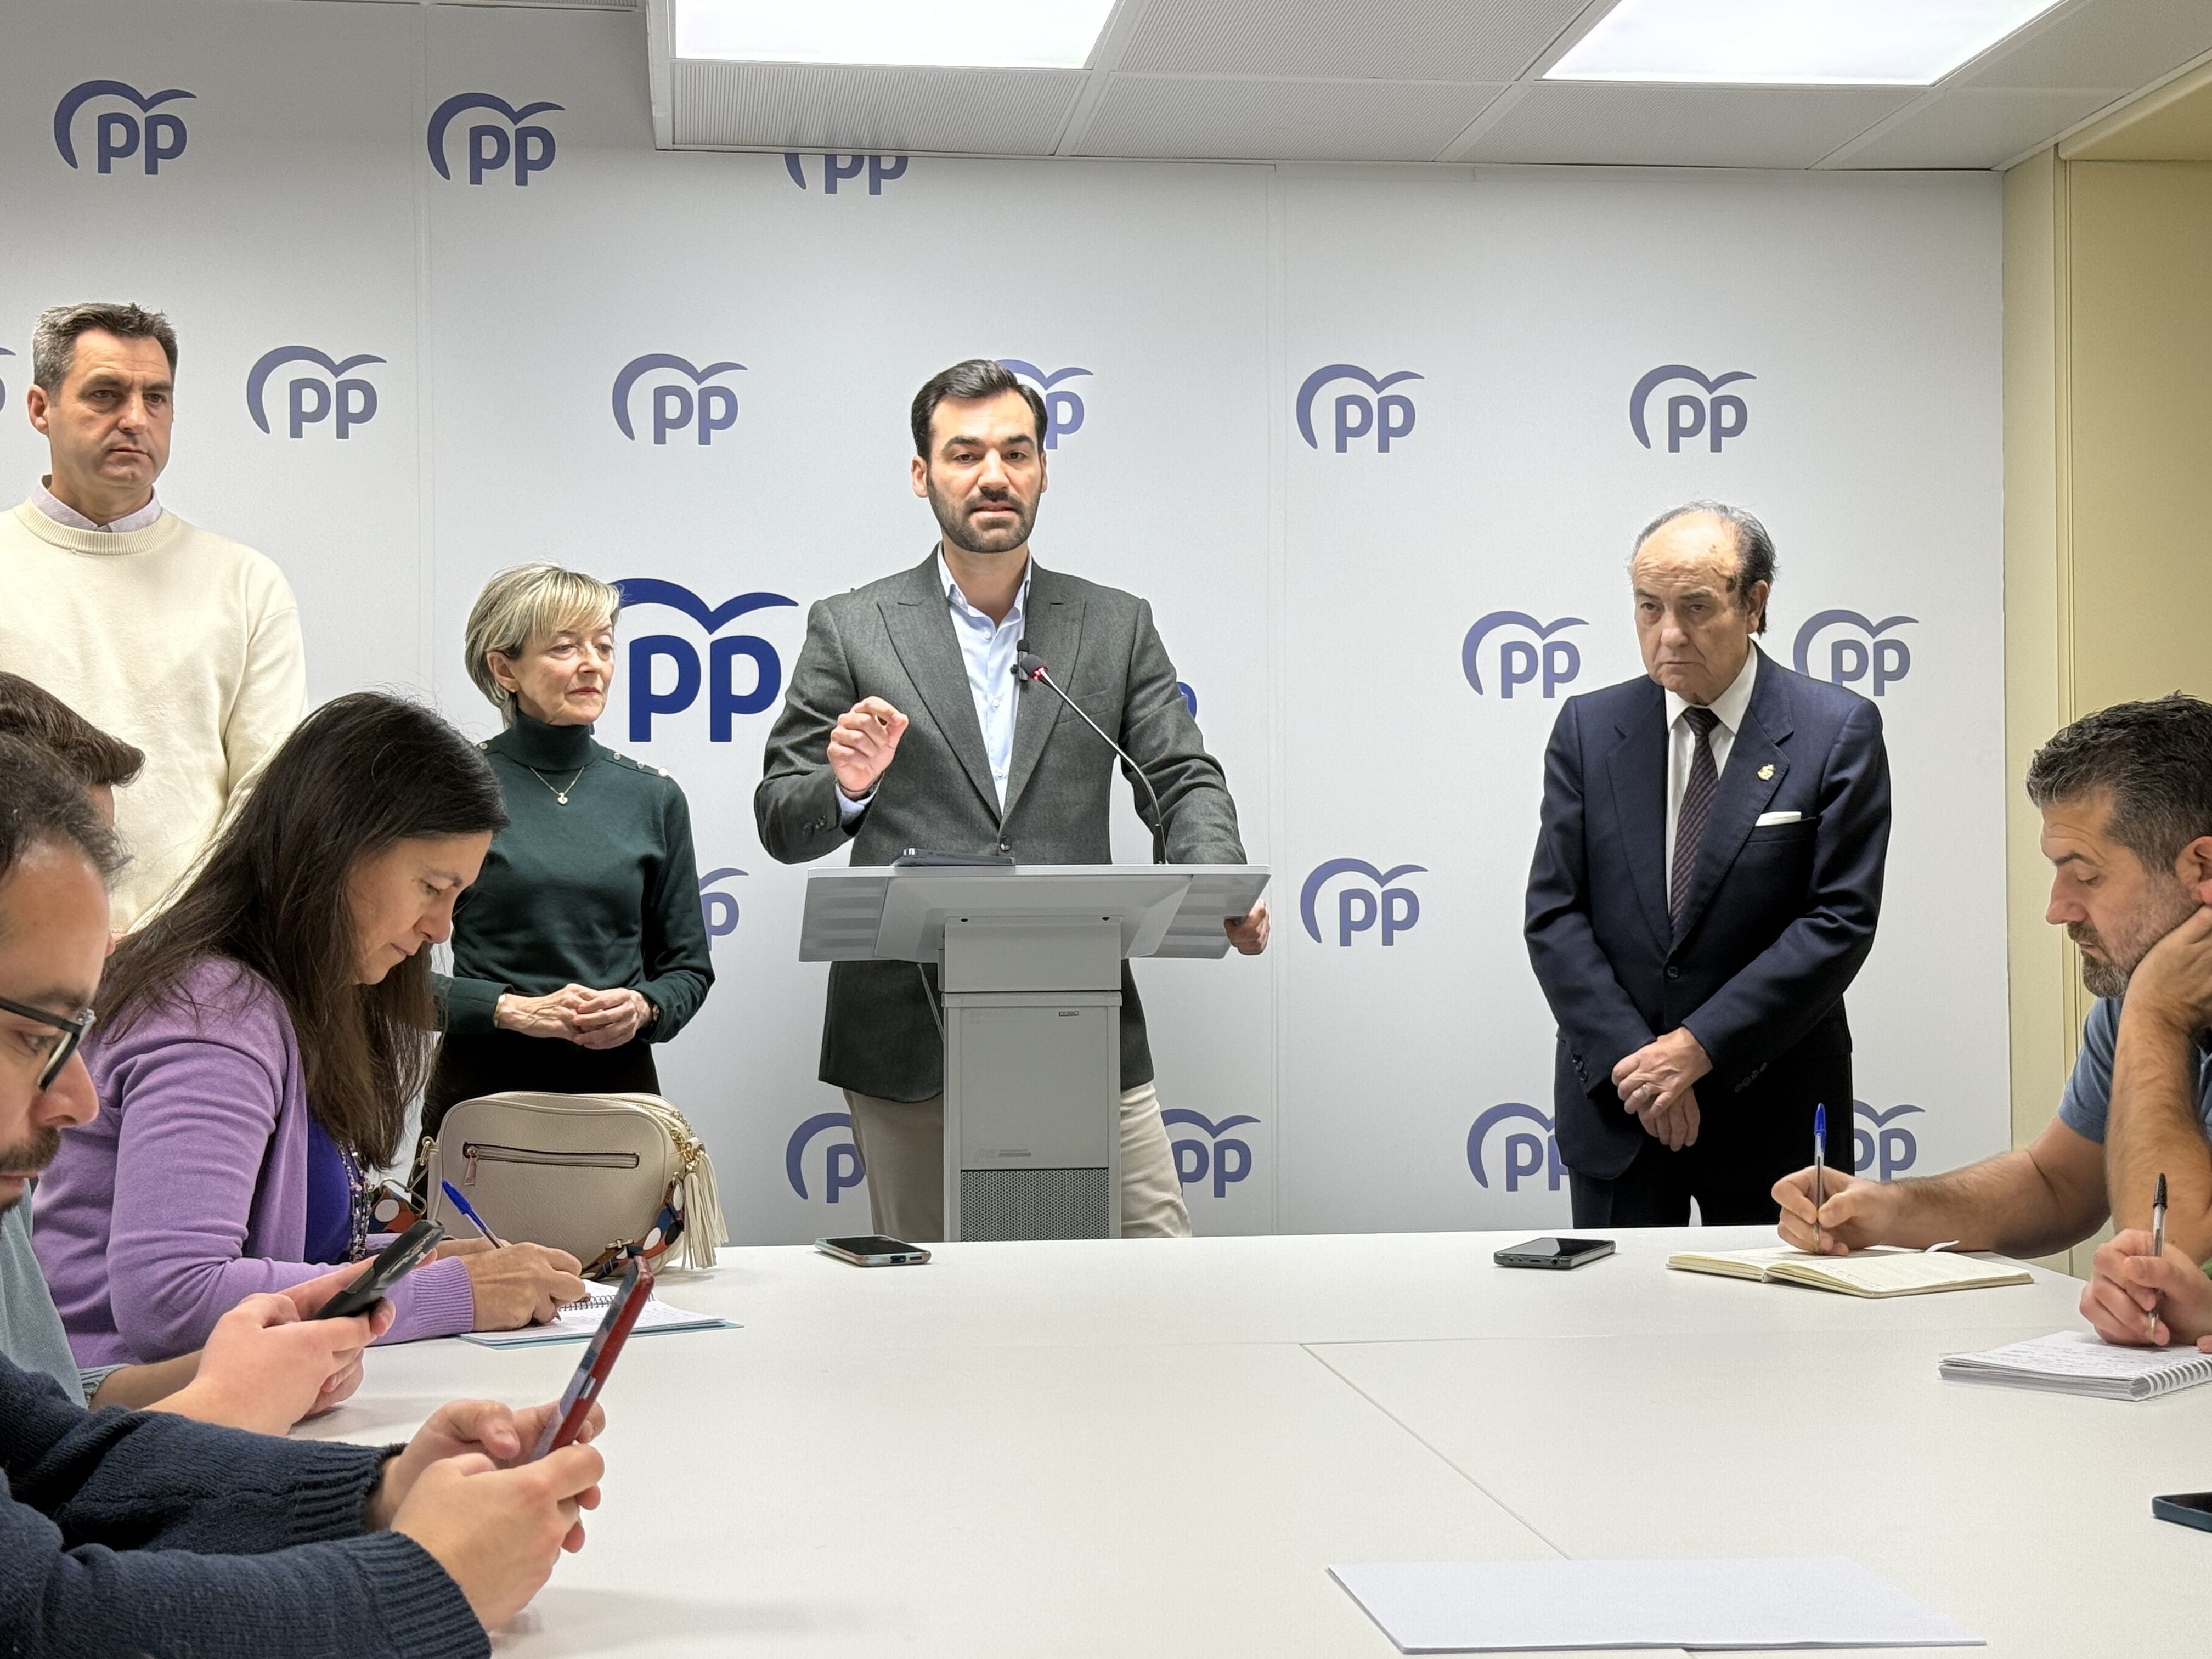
<point x="393" y="1263"/>
<point x="1554" y="1253"/>
<point x="873" y="1250"/>
<point x="2189" y="1508"/>
<point x="600" y="1356"/>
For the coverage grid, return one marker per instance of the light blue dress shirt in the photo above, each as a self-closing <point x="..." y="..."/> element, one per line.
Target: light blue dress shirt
<point x="988" y="649"/>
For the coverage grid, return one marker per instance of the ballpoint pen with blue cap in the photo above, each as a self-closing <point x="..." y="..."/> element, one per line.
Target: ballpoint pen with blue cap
<point x="1820" y="1166"/>
<point x="469" y="1209"/>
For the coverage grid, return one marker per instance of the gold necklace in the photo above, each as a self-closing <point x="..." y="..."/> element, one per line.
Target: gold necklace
<point x="560" y="795"/>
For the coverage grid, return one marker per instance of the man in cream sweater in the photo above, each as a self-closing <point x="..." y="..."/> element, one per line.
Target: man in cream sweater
<point x="174" y="640"/>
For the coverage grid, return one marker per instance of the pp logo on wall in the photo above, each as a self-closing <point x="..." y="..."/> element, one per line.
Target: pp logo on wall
<point x="1882" y="1146"/>
<point x="841" y="1166"/>
<point x="718" y="676"/>
<point x="840" y="170"/>
<point x="5" y="352"/>
<point x="1520" y="661"/>
<point x="1063" y="408"/>
<point x="337" y="395"/>
<point x="718" y="909"/>
<point x="1385" y="416"/>
<point x="144" y="132"/>
<point x="1716" y="416"/>
<point x="1221" y="1159"/>
<point x="1364" y="905"/>
<point x="701" y="409"/>
<point x="491" y="150"/>
<point x="1524" y="1152"/>
<point x="1859" y="653"/>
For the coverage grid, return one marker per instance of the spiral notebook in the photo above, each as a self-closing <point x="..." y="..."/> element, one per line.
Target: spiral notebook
<point x="580" y="1321"/>
<point x="2080" y="1362"/>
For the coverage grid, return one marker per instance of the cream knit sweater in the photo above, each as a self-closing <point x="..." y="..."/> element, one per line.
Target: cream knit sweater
<point x="177" y="641"/>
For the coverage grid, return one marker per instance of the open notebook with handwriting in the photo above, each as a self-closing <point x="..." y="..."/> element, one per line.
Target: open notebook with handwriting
<point x="580" y="1321"/>
<point x="2080" y="1362"/>
<point x="1877" y="1273"/>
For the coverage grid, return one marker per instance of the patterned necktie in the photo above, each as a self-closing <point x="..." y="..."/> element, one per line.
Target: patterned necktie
<point x="1697" y="801"/>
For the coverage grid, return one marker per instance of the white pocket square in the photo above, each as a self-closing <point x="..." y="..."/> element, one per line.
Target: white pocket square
<point x="1766" y="818"/>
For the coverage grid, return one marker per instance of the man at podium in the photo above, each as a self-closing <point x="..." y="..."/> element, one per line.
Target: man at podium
<point x="905" y="726"/>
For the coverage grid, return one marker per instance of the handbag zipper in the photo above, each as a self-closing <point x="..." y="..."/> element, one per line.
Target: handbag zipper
<point x="473" y="1149"/>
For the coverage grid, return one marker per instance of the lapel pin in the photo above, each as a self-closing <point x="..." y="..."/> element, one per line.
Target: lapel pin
<point x="1767" y="771"/>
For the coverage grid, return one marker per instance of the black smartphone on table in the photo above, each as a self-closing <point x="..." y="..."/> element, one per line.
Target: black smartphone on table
<point x="598" y="1361"/>
<point x="2187" y="1509"/>
<point x="393" y="1263"/>
<point x="873" y="1250"/>
<point x="1554" y="1253"/>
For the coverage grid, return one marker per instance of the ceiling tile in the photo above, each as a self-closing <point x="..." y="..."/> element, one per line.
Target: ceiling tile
<point x="1685" y="126"/>
<point x="1977" y="127"/>
<point x="1146" y="115"/>
<point x="809" y="107"/>
<point x="1379" y="39"/>
<point x="2105" y="43"/>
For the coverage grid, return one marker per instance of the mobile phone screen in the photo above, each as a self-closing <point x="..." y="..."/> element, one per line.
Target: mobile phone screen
<point x="1554" y="1252"/>
<point x="598" y="1361"/>
<point x="392" y="1265"/>
<point x="869" y="1244"/>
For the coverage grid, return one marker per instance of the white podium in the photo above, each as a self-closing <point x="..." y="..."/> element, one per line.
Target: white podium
<point x="1028" y="962"/>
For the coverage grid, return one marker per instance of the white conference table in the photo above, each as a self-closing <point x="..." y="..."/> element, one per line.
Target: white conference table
<point x="1157" y="1447"/>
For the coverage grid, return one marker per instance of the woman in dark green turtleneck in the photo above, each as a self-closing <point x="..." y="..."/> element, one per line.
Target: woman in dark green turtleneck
<point x="581" y="945"/>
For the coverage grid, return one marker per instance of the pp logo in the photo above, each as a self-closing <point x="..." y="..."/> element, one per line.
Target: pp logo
<point x="1719" y="416"/>
<point x="1358" y="909"/>
<point x="1386" y="416"/>
<point x="725" y="700"/>
<point x="718" y="909"/>
<point x="1878" y="1145"/>
<point x="1520" y="660"/>
<point x="842" y="1168"/>
<point x="118" y="134"/>
<point x="715" y="409"/>
<point x="882" y="169"/>
<point x="1860" y="656"/>
<point x="492" y="146"/>
<point x="1189" y="691"/>
<point x="1527" y="1153"/>
<point x="1227" y="1161"/>
<point x="5" y="352"/>
<point x="335" y="395"/>
<point x="1063" y="410"/>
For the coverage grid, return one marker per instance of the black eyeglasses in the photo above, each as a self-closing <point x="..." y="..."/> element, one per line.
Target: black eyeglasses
<point x="72" y="1028"/>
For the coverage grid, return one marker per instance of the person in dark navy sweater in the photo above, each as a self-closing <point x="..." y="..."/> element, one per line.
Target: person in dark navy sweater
<point x="150" y="1533"/>
<point x="581" y="944"/>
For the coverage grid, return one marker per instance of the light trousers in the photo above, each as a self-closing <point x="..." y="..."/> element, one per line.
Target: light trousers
<point x="902" y="1144"/>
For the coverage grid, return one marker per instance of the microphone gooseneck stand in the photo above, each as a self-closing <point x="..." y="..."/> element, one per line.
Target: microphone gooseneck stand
<point x="1029" y="668"/>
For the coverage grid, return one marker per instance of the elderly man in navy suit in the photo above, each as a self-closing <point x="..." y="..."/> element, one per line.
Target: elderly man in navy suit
<point x="1705" y="886"/>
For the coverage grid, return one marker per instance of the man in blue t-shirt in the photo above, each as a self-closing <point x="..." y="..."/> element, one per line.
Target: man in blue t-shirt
<point x="2126" y="798"/>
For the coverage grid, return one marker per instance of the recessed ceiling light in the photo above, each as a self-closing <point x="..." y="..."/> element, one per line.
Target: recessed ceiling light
<point x="1877" y="43"/>
<point x="986" y="33"/>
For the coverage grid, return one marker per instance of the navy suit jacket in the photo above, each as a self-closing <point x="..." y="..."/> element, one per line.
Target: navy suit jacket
<point x="1777" y="920"/>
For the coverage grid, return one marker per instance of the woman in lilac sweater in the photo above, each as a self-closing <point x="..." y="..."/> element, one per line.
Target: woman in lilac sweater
<point x="258" y="1043"/>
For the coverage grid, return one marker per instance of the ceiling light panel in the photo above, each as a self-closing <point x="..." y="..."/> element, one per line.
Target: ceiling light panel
<point x="968" y="33"/>
<point x="1900" y="43"/>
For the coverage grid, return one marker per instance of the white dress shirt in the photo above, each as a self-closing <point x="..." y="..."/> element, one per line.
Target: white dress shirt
<point x="62" y="513"/>
<point x="1729" y="711"/>
<point x="987" y="647"/>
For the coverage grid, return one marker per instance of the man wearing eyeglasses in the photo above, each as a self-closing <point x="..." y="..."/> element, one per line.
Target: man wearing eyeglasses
<point x="137" y="1532"/>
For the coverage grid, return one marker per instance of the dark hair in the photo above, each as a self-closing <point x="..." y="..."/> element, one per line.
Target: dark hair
<point x="979" y="377"/>
<point x="1754" y="548"/>
<point x="99" y="762"/>
<point x="53" y="337"/>
<point x="2153" y="758"/>
<point x="40" y="802"/>
<point x="360" y="774"/>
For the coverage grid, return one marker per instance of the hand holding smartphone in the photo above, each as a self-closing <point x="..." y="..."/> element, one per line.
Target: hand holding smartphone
<point x="395" y="1261"/>
<point x="597" y="1363"/>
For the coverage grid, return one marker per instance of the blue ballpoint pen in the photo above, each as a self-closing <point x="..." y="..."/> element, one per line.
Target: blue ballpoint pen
<point x="469" y="1209"/>
<point x="1819" y="1167"/>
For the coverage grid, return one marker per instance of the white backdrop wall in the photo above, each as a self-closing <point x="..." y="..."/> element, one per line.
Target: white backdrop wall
<point x="1387" y="1064"/>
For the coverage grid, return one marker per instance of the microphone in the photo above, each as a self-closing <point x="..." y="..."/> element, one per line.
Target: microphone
<point x="1028" y="667"/>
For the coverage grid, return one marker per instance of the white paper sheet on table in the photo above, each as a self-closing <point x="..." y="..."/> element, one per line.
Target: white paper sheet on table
<point x="1508" y="1607"/>
<point x="580" y="1321"/>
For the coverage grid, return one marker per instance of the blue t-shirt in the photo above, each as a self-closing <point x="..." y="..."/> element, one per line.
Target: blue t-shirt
<point x="2089" y="1091"/>
<point x="330" y="1198"/>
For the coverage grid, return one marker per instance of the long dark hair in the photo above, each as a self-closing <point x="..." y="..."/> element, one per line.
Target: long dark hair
<point x="358" y="775"/>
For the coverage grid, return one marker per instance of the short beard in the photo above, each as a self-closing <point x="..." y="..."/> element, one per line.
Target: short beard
<point x="29" y="1157"/>
<point x="2109" y="977"/>
<point x="952" y="520"/>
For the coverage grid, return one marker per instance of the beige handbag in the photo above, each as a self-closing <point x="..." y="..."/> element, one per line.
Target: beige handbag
<point x="601" y="1176"/>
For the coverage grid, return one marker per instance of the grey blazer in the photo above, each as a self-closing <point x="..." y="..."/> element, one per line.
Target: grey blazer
<point x="893" y="639"/>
